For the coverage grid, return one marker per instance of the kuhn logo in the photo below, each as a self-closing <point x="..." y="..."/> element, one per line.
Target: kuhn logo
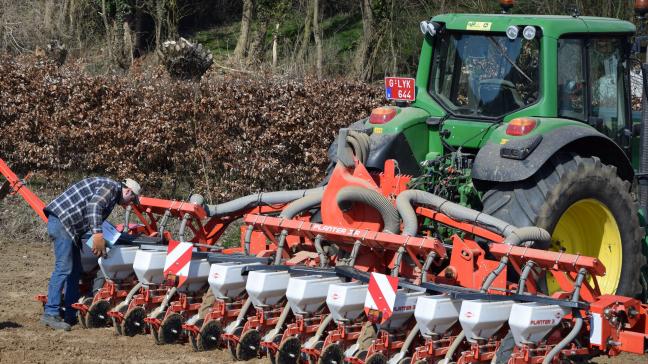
<point x="335" y="296"/>
<point x="216" y="275"/>
<point x="541" y="322"/>
<point x="403" y="308"/>
<point x="469" y="314"/>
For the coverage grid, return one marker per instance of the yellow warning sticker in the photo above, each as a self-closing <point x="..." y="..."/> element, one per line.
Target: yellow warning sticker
<point x="504" y="141"/>
<point x="378" y="130"/>
<point x="481" y="26"/>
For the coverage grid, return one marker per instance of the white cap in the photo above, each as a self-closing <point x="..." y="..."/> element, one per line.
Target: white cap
<point x="134" y="186"/>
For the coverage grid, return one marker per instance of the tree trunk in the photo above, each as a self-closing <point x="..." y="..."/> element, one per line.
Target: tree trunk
<point x="242" y="43"/>
<point x="104" y="18"/>
<point x="365" y="46"/>
<point x="48" y="13"/>
<point x="308" y="20"/>
<point x="159" y="19"/>
<point x="172" y="19"/>
<point x="275" y="37"/>
<point x="255" y="54"/>
<point x="138" y="42"/>
<point x="317" y="32"/>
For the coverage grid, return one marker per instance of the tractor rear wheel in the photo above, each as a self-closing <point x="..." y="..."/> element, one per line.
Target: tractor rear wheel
<point x="586" y="207"/>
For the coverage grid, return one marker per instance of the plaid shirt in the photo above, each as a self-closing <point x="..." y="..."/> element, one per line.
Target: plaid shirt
<point x="85" y="205"/>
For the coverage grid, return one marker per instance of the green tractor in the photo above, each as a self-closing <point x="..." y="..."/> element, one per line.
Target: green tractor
<point x="528" y="118"/>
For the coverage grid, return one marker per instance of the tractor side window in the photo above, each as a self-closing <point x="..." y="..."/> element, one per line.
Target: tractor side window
<point x="606" y="86"/>
<point x="571" y="80"/>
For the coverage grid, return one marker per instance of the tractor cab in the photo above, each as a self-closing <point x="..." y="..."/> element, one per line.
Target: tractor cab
<point x="499" y="67"/>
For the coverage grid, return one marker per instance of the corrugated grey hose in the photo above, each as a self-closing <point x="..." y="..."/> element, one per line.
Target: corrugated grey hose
<point x="352" y="143"/>
<point x="258" y="199"/>
<point x="406" y="199"/>
<point x="388" y="212"/>
<point x="293" y="209"/>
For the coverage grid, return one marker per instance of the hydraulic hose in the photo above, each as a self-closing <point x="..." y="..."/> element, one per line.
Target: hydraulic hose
<point x="248" y="238"/>
<point x="354" y="252"/>
<point x="320" y="330"/>
<point x="258" y="199"/>
<point x="398" y="262"/>
<point x="163" y="221"/>
<point x="244" y="310"/>
<point x="578" y="320"/>
<point x="524" y="276"/>
<point x="494" y="273"/>
<point x="132" y="292"/>
<point x="454" y="346"/>
<point x="183" y="227"/>
<point x="426" y="266"/>
<point x="167" y="298"/>
<point x="389" y="214"/>
<point x="320" y="251"/>
<point x="410" y="338"/>
<point x="127" y="214"/>
<point x="293" y="209"/>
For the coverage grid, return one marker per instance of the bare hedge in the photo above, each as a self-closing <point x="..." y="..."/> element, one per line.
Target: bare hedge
<point x="225" y="136"/>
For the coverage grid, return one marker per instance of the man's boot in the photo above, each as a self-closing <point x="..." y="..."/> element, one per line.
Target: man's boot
<point x="55" y="322"/>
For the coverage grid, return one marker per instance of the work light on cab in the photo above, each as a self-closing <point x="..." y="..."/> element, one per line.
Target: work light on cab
<point x="506" y="5"/>
<point x="521" y="126"/>
<point x="641" y="8"/>
<point x="382" y="115"/>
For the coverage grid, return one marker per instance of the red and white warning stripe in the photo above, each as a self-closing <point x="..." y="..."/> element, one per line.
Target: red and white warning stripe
<point x="381" y="295"/>
<point x="177" y="261"/>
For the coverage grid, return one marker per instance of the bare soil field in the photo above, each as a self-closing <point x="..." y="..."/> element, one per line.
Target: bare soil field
<point x="26" y="260"/>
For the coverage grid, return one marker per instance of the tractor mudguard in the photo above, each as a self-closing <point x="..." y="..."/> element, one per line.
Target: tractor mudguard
<point x="382" y="148"/>
<point x="520" y="158"/>
<point x="392" y="146"/>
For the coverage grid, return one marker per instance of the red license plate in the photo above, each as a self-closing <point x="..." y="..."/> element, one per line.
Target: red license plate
<point x="400" y="89"/>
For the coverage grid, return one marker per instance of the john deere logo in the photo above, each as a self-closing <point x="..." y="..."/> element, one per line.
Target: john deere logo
<point x="481" y="26"/>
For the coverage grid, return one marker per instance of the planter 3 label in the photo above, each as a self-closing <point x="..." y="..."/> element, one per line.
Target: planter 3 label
<point x="400" y="89"/>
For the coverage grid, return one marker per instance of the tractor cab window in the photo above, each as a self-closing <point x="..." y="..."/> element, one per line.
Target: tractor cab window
<point x="605" y="85"/>
<point x="591" y="82"/>
<point x="484" y="75"/>
<point x="571" y="79"/>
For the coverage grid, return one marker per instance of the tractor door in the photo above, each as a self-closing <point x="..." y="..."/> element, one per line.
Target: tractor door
<point x="592" y="84"/>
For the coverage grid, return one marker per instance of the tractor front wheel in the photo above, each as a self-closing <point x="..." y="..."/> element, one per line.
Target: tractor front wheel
<point x="587" y="208"/>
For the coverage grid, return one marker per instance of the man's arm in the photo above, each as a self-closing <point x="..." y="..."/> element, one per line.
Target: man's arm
<point x="96" y="206"/>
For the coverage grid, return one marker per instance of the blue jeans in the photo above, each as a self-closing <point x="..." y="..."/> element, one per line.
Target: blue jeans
<point x="67" y="270"/>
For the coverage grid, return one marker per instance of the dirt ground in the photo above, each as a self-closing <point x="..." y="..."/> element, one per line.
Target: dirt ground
<point x="26" y="260"/>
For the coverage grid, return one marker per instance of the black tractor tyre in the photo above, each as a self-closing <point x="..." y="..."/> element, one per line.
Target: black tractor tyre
<point x="564" y="180"/>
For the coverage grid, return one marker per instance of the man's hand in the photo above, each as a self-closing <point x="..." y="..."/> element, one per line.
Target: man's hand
<point x="98" y="245"/>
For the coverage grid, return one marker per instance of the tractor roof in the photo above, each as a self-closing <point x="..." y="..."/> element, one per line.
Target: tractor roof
<point x="551" y="25"/>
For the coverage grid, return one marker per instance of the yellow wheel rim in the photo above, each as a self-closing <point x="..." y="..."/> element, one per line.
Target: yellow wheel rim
<point x="589" y="228"/>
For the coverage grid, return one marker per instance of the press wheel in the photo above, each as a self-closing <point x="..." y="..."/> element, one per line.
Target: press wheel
<point x="376" y="358"/>
<point x="231" y="345"/>
<point x="154" y="331"/>
<point x="209" y="337"/>
<point x="332" y="354"/>
<point x="248" y="346"/>
<point x="97" y="315"/>
<point x="133" y="323"/>
<point x="80" y="316"/>
<point x="289" y="351"/>
<point x="171" y="328"/>
<point x="121" y="308"/>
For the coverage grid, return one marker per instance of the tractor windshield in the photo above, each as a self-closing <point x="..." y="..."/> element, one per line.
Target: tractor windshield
<point x="484" y="75"/>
